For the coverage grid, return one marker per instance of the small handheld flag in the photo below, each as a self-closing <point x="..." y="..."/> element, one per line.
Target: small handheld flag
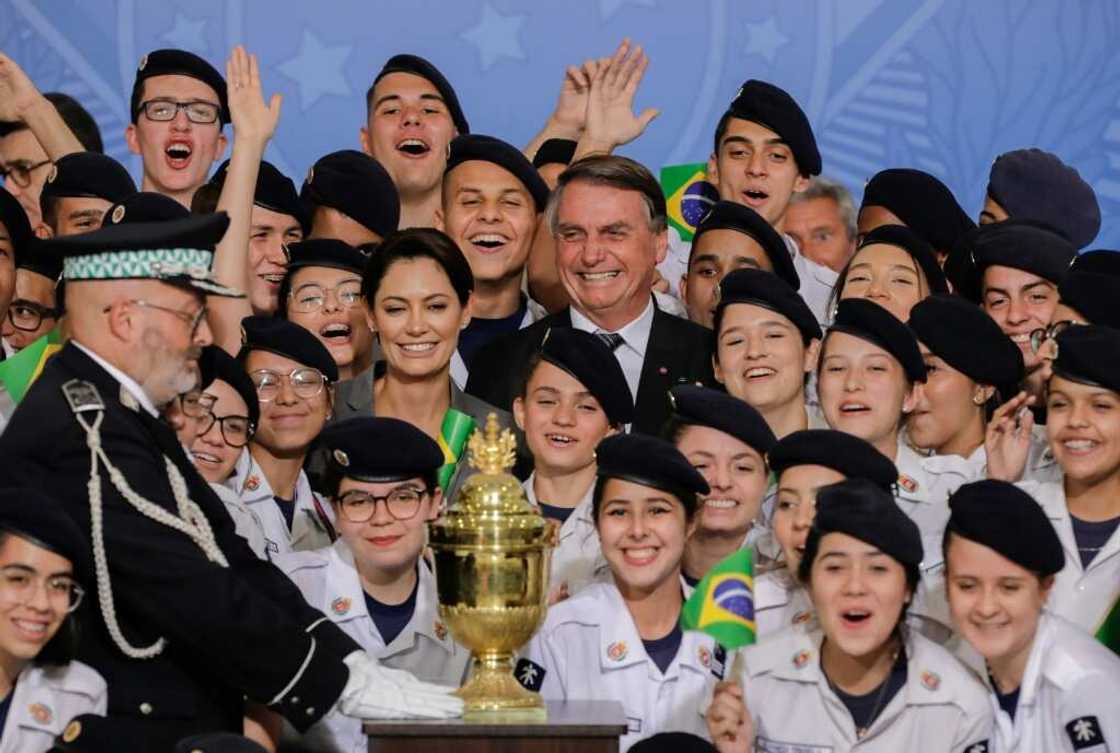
<point x="1109" y="631"/>
<point x="723" y="603"/>
<point x="688" y="196"/>
<point x="18" y="372"/>
<point x="453" y="434"/>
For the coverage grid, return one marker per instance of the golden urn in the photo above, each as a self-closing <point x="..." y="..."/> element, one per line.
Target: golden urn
<point x="492" y="551"/>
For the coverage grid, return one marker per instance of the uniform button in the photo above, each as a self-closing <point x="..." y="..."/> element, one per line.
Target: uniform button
<point x="310" y="710"/>
<point x="145" y="708"/>
<point x="295" y="699"/>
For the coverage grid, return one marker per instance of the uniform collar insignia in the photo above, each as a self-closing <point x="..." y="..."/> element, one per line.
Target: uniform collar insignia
<point x="617" y="651"/>
<point x="41" y="713"/>
<point x="341" y="605"/>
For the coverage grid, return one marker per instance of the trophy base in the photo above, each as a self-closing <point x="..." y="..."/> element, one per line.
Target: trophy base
<point x="493" y="694"/>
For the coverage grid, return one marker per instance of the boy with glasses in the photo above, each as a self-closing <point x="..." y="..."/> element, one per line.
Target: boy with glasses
<point x="373" y="583"/>
<point x="34" y="310"/>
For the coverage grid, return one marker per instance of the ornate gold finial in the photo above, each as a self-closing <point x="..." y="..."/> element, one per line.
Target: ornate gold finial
<point x="492" y="451"/>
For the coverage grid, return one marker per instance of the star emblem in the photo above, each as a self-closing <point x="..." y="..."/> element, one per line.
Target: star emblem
<point x="496" y="36"/>
<point x="765" y="39"/>
<point x="187" y="34"/>
<point x="318" y="70"/>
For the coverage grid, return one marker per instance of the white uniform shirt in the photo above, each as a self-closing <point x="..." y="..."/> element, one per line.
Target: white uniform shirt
<point x="578" y="557"/>
<point x="1084" y="597"/>
<point x="308" y="530"/>
<point x="1069" y="699"/>
<point x="329" y="581"/>
<point x="45" y="700"/>
<point x="246" y="524"/>
<point x="779" y="603"/>
<point x="942" y="708"/>
<point x="589" y="649"/>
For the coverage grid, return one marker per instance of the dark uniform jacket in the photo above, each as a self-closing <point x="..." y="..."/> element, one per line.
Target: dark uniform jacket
<point x="679" y="351"/>
<point x="236" y="632"/>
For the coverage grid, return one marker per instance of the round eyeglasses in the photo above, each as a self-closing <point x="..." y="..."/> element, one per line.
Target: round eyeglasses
<point x="402" y="503"/>
<point x="20" y="585"/>
<point x="305" y="382"/>
<point x="236" y="430"/>
<point x="312" y="296"/>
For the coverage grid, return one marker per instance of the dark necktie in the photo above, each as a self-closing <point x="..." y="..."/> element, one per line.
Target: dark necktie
<point x="612" y="340"/>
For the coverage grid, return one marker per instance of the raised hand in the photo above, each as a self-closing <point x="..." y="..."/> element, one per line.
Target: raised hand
<point x="611" y="121"/>
<point x="253" y="120"/>
<point x="729" y="723"/>
<point x="1007" y="441"/>
<point x="571" y="105"/>
<point x="17" y="94"/>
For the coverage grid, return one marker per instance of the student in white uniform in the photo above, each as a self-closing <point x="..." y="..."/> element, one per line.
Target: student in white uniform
<point x="727" y="441"/>
<point x="1052" y="687"/>
<point x="621" y="640"/>
<point x="373" y="582"/>
<point x="294" y="374"/>
<point x="862" y="680"/>
<point x="43" y="556"/>
<point x="767" y="343"/>
<point x="1083" y="425"/>
<point x="803" y="463"/>
<point x="574" y="395"/>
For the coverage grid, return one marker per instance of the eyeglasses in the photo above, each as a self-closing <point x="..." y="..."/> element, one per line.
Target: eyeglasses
<point x="28" y="316"/>
<point x="305" y="381"/>
<point x="18" y="585"/>
<point x="236" y="430"/>
<point x="195" y="404"/>
<point x="402" y="503"/>
<point x="192" y="320"/>
<point x="1042" y="335"/>
<point x="20" y="172"/>
<point x="312" y="297"/>
<point x="163" y="110"/>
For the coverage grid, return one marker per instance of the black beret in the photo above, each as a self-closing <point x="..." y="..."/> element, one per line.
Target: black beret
<point x="274" y="191"/>
<point x="90" y="733"/>
<point x="182" y="63"/>
<point x="41" y="257"/>
<point x="703" y="406"/>
<point x="729" y="215"/>
<point x="842" y="452"/>
<point x="870" y="321"/>
<point x="555" y="152"/>
<point x="15" y="221"/>
<point x="31" y="513"/>
<point x="1089" y="354"/>
<point x="177" y="252"/>
<point x="673" y="742"/>
<point x="289" y="340"/>
<point x="1031" y="184"/>
<point x="1092" y="287"/>
<point x="88" y="174"/>
<point x="470" y="147"/>
<point x="649" y="461"/>
<point x="215" y="363"/>
<point x="325" y="252"/>
<point x="968" y="340"/>
<point x="1020" y="244"/>
<point x="357" y="185"/>
<point x="418" y="66"/>
<point x="589" y="360"/>
<point x="863" y="510"/>
<point x="769" y="291"/>
<point x="909" y="241"/>
<point x="922" y="202"/>
<point x="145" y="206"/>
<point x="774" y="108"/>
<point x="368" y="448"/>
<point x="217" y="742"/>
<point x="1003" y="517"/>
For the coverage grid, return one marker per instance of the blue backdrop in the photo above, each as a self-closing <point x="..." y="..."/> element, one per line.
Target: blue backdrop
<point x="942" y="85"/>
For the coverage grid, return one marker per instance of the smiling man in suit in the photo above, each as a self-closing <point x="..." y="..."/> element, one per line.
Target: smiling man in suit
<point x="608" y="218"/>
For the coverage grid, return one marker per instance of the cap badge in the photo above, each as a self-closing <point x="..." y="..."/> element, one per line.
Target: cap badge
<point x="704" y="656"/>
<point x="340" y="606"/>
<point x="41" y="713"/>
<point x="52" y="174"/>
<point x="931" y="680"/>
<point x="253" y="483"/>
<point x="72" y="731"/>
<point x="616" y="651"/>
<point x="441" y="630"/>
<point x="311" y="173"/>
<point x="341" y="458"/>
<point x="907" y="483"/>
<point x="801" y="658"/>
<point x="118" y="214"/>
<point x="143" y="63"/>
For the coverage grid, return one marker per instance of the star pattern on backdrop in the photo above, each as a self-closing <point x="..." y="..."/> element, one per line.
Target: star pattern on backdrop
<point x="317" y="69"/>
<point x="765" y="39"/>
<point x="496" y="36"/>
<point x="187" y="34"/>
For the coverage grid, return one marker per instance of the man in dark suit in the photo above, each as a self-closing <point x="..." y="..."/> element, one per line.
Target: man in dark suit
<point x="608" y="217"/>
<point x="186" y="623"/>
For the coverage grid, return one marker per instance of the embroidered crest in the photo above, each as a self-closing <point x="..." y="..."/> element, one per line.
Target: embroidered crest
<point x="440" y="629"/>
<point x="143" y="63"/>
<point x="931" y="680"/>
<point x="341" y="605"/>
<point x="52" y="174"/>
<point x="801" y="658"/>
<point x="529" y="674"/>
<point x="801" y="618"/>
<point x="341" y="458"/>
<point x="704" y="656"/>
<point x="72" y="731"/>
<point x="907" y="483"/>
<point x="253" y="483"/>
<point x="719" y="661"/>
<point x="82" y="396"/>
<point x="1085" y="734"/>
<point x="118" y="214"/>
<point x="41" y="713"/>
<point x="616" y="651"/>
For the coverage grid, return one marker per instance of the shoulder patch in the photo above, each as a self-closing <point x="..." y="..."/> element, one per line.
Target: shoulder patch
<point x="529" y="674"/>
<point x="82" y="396"/>
<point x="1085" y="734"/>
<point x="719" y="661"/>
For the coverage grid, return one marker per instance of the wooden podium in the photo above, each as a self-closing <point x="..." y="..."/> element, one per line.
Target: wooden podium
<point x="571" y="727"/>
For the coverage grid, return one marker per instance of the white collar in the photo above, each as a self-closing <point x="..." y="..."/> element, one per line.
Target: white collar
<point x="126" y="381"/>
<point x="635" y="333"/>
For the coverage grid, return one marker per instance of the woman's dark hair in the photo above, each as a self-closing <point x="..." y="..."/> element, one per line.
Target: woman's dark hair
<point x="687" y="499"/>
<point x="527" y="374"/>
<point x="63" y="647"/>
<point x="419" y="243"/>
<point x="812" y="547"/>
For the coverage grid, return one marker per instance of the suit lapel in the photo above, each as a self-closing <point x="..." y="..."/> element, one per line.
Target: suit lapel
<point x="661" y="370"/>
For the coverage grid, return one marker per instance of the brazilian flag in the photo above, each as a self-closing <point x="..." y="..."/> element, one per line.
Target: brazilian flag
<point x="1109" y="631"/>
<point x="688" y="196"/>
<point x="723" y="603"/>
<point x="453" y="434"/>
<point x="18" y="372"/>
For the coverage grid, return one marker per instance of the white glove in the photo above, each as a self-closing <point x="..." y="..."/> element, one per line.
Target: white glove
<point x="377" y="692"/>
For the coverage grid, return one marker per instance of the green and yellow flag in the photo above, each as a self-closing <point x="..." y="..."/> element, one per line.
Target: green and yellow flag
<point x="18" y="372"/>
<point x="723" y="603"/>
<point x="1109" y="631"/>
<point x="453" y="434"/>
<point x="688" y="196"/>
